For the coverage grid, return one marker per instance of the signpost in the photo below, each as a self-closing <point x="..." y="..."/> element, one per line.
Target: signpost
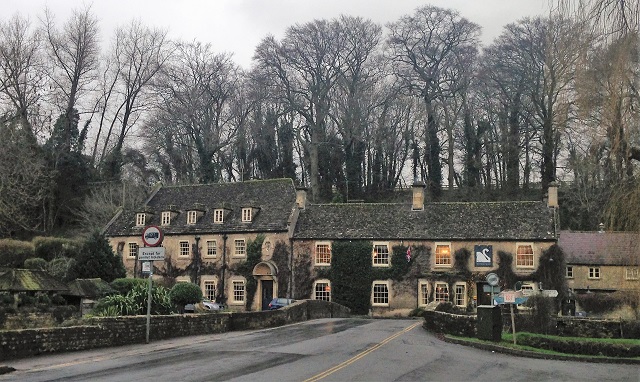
<point x="151" y="237"/>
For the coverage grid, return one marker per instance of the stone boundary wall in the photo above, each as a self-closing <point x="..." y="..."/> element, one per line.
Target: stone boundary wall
<point x="115" y="331"/>
<point x="447" y="323"/>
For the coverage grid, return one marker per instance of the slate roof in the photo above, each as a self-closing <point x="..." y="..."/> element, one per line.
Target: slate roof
<point x="28" y="280"/>
<point x="438" y="221"/>
<point x="90" y="288"/>
<point x="606" y="248"/>
<point x="273" y="200"/>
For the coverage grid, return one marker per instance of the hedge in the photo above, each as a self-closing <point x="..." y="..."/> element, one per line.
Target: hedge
<point x="50" y="248"/>
<point x="13" y="253"/>
<point x="580" y="346"/>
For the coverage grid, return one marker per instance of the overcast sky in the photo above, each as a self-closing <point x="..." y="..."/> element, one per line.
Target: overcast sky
<point x="237" y="26"/>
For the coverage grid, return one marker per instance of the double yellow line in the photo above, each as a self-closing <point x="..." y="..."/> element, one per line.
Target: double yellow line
<point x="358" y="356"/>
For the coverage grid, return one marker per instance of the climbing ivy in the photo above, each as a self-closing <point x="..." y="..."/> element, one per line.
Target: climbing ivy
<point x="245" y="269"/>
<point x="281" y="259"/>
<point x="351" y="274"/>
<point x="303" y="282"/>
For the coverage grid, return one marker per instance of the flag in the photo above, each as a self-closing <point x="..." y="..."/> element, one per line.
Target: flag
<point x="409" y="253"/>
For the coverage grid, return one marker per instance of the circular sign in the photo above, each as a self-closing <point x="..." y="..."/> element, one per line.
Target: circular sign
<point x="492" y="279"/>
<point x="152" y="236"/>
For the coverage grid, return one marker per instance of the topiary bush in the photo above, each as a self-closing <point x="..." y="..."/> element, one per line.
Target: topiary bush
<point x="50" y="248"/>
<point x="600" y="303"/>
<point x="185" y="293"/>
<point x="13" y="253"/>
<point x="36" y="263"/>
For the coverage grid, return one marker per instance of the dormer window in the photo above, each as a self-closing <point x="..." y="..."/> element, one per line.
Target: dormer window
<point x="140" y="219"/>
<point x="246" y="215"/>
<point x="192" y="216"/>
<point x="165" y="218"/>
<point x="218" y="216"/>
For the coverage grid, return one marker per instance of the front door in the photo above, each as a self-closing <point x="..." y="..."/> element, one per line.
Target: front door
<point x="267" y="293"/>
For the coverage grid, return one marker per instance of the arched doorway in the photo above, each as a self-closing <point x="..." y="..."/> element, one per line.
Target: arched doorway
<point x="265" y="274"/>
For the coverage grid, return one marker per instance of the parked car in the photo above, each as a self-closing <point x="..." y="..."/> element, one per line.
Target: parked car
<point x="205" y="305"/>
<point x="278" y="303"/>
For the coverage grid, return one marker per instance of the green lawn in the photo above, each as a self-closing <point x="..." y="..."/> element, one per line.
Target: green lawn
<point x="507" y="342"/>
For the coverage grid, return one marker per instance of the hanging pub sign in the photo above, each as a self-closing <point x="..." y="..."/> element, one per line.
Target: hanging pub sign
<point x="483" y="255"/>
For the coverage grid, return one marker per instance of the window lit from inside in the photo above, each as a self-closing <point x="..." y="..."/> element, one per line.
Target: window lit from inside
<point x="524" y="256"/>
<point x="238" y="291"/>
<point x="322" y="291"/>
<point x="240" y="248"/>
<point x="442" y="292"/>
<point x="323" y="254"/>
<point x="443" y="255"/>
<point x="380" y="293"/>
<point x="184" y="248"/>
<point x="380" y="255"/>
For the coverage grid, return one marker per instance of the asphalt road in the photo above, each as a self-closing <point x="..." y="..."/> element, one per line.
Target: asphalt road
<point x="320" y="350"/>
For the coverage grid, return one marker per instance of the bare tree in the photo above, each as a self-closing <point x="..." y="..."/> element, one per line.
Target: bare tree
<point x="21" y="74"/>
<point x="425" y="47"/>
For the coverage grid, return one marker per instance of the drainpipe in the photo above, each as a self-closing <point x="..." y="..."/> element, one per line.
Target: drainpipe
<point x="291" y="288"/>
<point x="222" y="299"/>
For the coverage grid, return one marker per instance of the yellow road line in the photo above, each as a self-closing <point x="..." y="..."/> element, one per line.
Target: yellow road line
<point x="361" y="355"/>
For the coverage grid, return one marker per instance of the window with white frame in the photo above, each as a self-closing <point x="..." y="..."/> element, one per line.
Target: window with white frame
<point x="165" y="218"/>
<point x="442" y="292"/>
<point x="524" y="255"/>
<point x="209" y="291"/>
<point x="322" y="290"/>
<point x="380" y="293"/>
<point x="212" y="248"/>
<point x="133" y="250"/>
<point x="240" y="248"/>
<point x="237" y="291"/>
<point x="140" y="219"/>
<point x="381" y="255"/>
<point x="594" y="272"/>
<point x="423" y="292"/>
<point x="184" y="248"/>
<point x="569" y="273"/>
<point x="323" y="254"/>
<point x="460" y="294"/>
<point x="246" y="215"/>
<point x="443" y="254"/>
<point x="632" y="273"/>
<point x="218" y="216"/>
<point x="192" y="216"/>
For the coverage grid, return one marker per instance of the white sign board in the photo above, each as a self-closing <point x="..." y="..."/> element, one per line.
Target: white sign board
<point x="550" y="293"/>
<point x="151" y="254"/>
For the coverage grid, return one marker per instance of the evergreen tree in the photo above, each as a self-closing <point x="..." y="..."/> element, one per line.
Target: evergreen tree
<point x="97" y="260"/>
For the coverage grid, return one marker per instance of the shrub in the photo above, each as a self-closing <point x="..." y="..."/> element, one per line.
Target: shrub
<point x="36" y="263"/>
<point x="185" y="293"/>
<point x="50" y="248"/>
<point x="572" y="346"/>
<point x="6" y="298"/>
<point x="542" y="309"/>
<point x="13" y="253"/>
<point x="97" y="260"/>
<point x="42" y="298"/>
<point x="134" y="302"/>
<point x="62" y="313"/>
<point x="59" y="267"/>
<point x="125" y="285"/>
<point x="599" y="303"/>
<point x="25" y="299"/>
<point x="56" y="299"/>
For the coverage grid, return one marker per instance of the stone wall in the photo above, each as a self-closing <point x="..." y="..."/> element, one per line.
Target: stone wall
<point x="447" y="323"/>
<point x="587" y="327"/>
<point x="115" y="331"/>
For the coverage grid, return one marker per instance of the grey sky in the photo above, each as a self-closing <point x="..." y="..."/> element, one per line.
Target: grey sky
<point x="237" y="26"/>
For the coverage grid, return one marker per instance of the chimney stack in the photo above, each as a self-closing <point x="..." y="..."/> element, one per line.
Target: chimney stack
<point x="553" y="195"/>
<point x="418" y="196"/>
<point x="301" y="197"/>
